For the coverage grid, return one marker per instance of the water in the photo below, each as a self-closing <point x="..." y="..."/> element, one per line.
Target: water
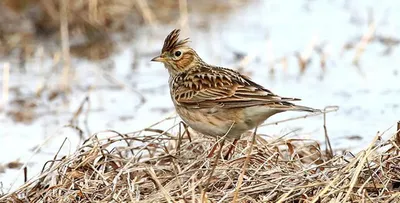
<point x="265" y="31"/>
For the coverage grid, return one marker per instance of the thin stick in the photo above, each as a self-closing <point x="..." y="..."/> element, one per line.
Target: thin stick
<point x="183" y="11"/>
<point x="180" y="137"/>
<point x="304" y="57"/>
<point x="86" y="117"/>
<point x="398" y="134"/>
<point x="78" y="112"/>
<point x="328" y="109"/>
<point x="65" y="43"/>
<point x="365" y="40"/>
<point x="246" y="162"/>
<point x="6" y="80"/>
<point x="93" y="11"/>
<point x="147" y="14"/>
<point x="25" y="174"/>
<point x="329" y="150"/>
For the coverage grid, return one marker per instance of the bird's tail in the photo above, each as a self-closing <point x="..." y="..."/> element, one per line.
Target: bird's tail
<point x="304" y="108"/>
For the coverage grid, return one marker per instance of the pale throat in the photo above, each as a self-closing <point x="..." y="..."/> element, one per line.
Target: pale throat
<point x="171" y="70"/>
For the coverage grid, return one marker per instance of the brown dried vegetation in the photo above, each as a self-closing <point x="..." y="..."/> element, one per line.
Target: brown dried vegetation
<point x="155" y="166"/>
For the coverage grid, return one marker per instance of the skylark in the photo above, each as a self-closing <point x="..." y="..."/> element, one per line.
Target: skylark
<point x="217" y="101"/>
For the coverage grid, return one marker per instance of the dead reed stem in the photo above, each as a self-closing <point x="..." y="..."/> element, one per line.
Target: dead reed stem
<point x="65" y="44"/>
<point x="6" y="81"/>
<point x="398" y="134"/>
<point x="146" y="12"/>
<point x="93" y="10"/>
<point x="183" y="11"/>
<point x="329" y="150"/>
<point x="362" y="44"/>
<point x="327" y="109"/>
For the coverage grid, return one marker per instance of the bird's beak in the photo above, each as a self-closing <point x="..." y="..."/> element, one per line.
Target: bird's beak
<point x="158" y="59"/>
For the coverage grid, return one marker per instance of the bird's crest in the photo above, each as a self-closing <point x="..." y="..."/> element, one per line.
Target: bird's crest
<point x="172" y="41"/>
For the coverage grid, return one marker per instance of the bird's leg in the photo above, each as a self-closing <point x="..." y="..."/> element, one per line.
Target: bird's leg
<point x="211" y="154"/>
<point x="233" y="145"/>
<point x="222" y="143"/>
<point x="186" y="130"/>
<point x="218" y="144"/>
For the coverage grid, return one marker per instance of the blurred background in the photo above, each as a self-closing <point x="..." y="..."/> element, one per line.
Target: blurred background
<point x="71" y="68"/>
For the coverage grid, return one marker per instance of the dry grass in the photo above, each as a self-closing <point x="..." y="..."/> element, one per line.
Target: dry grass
<point x="27" y="24"/>
<point x="155" y="166"/>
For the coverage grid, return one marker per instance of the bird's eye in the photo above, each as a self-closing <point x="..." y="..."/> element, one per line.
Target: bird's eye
<point x="178" y="53"/>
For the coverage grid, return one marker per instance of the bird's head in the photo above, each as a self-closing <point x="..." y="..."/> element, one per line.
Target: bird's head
<point x="176" y="55"/>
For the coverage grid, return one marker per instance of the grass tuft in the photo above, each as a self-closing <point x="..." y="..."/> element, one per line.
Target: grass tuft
<point x="153" y="166"/>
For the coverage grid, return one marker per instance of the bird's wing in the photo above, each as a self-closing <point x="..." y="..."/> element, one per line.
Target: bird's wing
<point x="207" y="87"/>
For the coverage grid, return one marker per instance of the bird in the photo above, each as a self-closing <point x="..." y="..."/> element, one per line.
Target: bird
<point x="217" y="101"/>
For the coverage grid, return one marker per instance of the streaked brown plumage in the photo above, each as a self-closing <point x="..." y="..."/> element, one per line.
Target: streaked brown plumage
<point x="213" y="100"/>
